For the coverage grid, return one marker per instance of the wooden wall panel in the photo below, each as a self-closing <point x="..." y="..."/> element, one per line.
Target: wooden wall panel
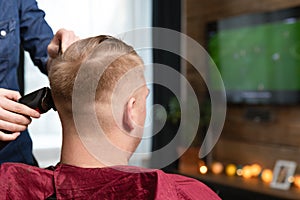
<point x="244" y="140"/>
<point x="196" y="13"/>
<point x="283" y="127"/>
<point x="216" y="9"/>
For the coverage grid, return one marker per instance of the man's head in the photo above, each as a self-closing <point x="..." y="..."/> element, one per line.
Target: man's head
<point x="103" y="76"/>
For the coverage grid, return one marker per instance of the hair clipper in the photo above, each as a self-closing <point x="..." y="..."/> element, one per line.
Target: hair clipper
<point x="40" y="100"/>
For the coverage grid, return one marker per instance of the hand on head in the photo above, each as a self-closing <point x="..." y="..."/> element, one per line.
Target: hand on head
<point x="60" y="42"/>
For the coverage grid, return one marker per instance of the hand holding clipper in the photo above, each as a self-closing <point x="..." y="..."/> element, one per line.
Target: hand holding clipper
<point x="39" y="100"/>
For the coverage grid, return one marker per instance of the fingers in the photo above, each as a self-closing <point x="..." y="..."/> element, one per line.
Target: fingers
<point x="61" y="41"/>
<point x="10" y="94"/>
<point x="67" y="38"/>
<point x="11" y="127"/>
<point x="14" y="117"/>
<point x="53" y="47"/>
<point x="8" y="137"/>
<point x="10" y="108"/>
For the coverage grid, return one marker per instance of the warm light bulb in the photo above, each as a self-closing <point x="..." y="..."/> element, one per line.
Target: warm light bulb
<point x="267" y="175"/>
<point x="290" y="179"/>
<point x="217" y="167"/>
<point x="230" y="169"/>
<point x="297" y="180"/>
<point x="255" y="169"/>
<point x="239" y="170"/>
<point x="247" y="173"/>
<point x="203" y="169"/>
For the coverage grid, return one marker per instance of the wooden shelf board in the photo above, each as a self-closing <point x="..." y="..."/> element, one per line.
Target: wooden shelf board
<point x="252" y="184"/>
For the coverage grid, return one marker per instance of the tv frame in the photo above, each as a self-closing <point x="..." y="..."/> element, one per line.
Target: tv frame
<point x="276" y="97"/>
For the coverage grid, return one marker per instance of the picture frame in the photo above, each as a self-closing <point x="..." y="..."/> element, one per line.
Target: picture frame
<point x="282" y="173"/>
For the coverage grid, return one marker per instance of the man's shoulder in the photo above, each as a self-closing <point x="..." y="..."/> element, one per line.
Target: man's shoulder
<point x="18" y="167"/>
<point x="22" y="171"/>
<point x="186" y="187"/>
<point x="21" y="180"/>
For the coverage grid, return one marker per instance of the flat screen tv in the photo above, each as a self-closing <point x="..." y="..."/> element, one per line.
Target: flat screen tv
<point x="258" y="56"/>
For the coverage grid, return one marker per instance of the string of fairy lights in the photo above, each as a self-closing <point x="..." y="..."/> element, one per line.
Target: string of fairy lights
<point x="248" y="171"/>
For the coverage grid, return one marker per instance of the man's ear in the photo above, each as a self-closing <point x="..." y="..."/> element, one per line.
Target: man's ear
<point x="128" y="118"/>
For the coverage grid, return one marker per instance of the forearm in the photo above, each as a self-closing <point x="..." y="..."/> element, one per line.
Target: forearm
<point x="35" y="33"/>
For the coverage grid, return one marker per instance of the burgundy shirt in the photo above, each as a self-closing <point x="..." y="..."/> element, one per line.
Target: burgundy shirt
<point x="20" y="181"/>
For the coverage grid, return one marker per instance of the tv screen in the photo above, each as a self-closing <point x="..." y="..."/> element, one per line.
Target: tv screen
<point x="258" y="56"/>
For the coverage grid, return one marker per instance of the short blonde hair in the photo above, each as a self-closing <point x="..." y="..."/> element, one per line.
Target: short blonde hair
<point x="105" y="52"/>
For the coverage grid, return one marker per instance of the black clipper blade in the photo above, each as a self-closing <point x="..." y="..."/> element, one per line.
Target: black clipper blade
<point x="40" y="100"/>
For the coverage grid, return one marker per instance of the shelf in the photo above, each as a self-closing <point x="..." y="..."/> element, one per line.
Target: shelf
<point x="252" y="185"/>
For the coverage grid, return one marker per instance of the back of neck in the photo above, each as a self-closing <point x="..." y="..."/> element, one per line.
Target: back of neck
<point x="75" y="153"/>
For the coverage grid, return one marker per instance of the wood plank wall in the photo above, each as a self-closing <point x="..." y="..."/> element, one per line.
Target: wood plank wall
<point x="243" y="140"/>
<point x="247" y="138"/>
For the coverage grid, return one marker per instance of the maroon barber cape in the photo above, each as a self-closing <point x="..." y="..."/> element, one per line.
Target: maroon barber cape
<point x="20" y="181"/>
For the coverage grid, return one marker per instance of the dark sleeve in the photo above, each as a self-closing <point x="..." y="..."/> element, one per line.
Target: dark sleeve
<point x="35" y="33"/>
